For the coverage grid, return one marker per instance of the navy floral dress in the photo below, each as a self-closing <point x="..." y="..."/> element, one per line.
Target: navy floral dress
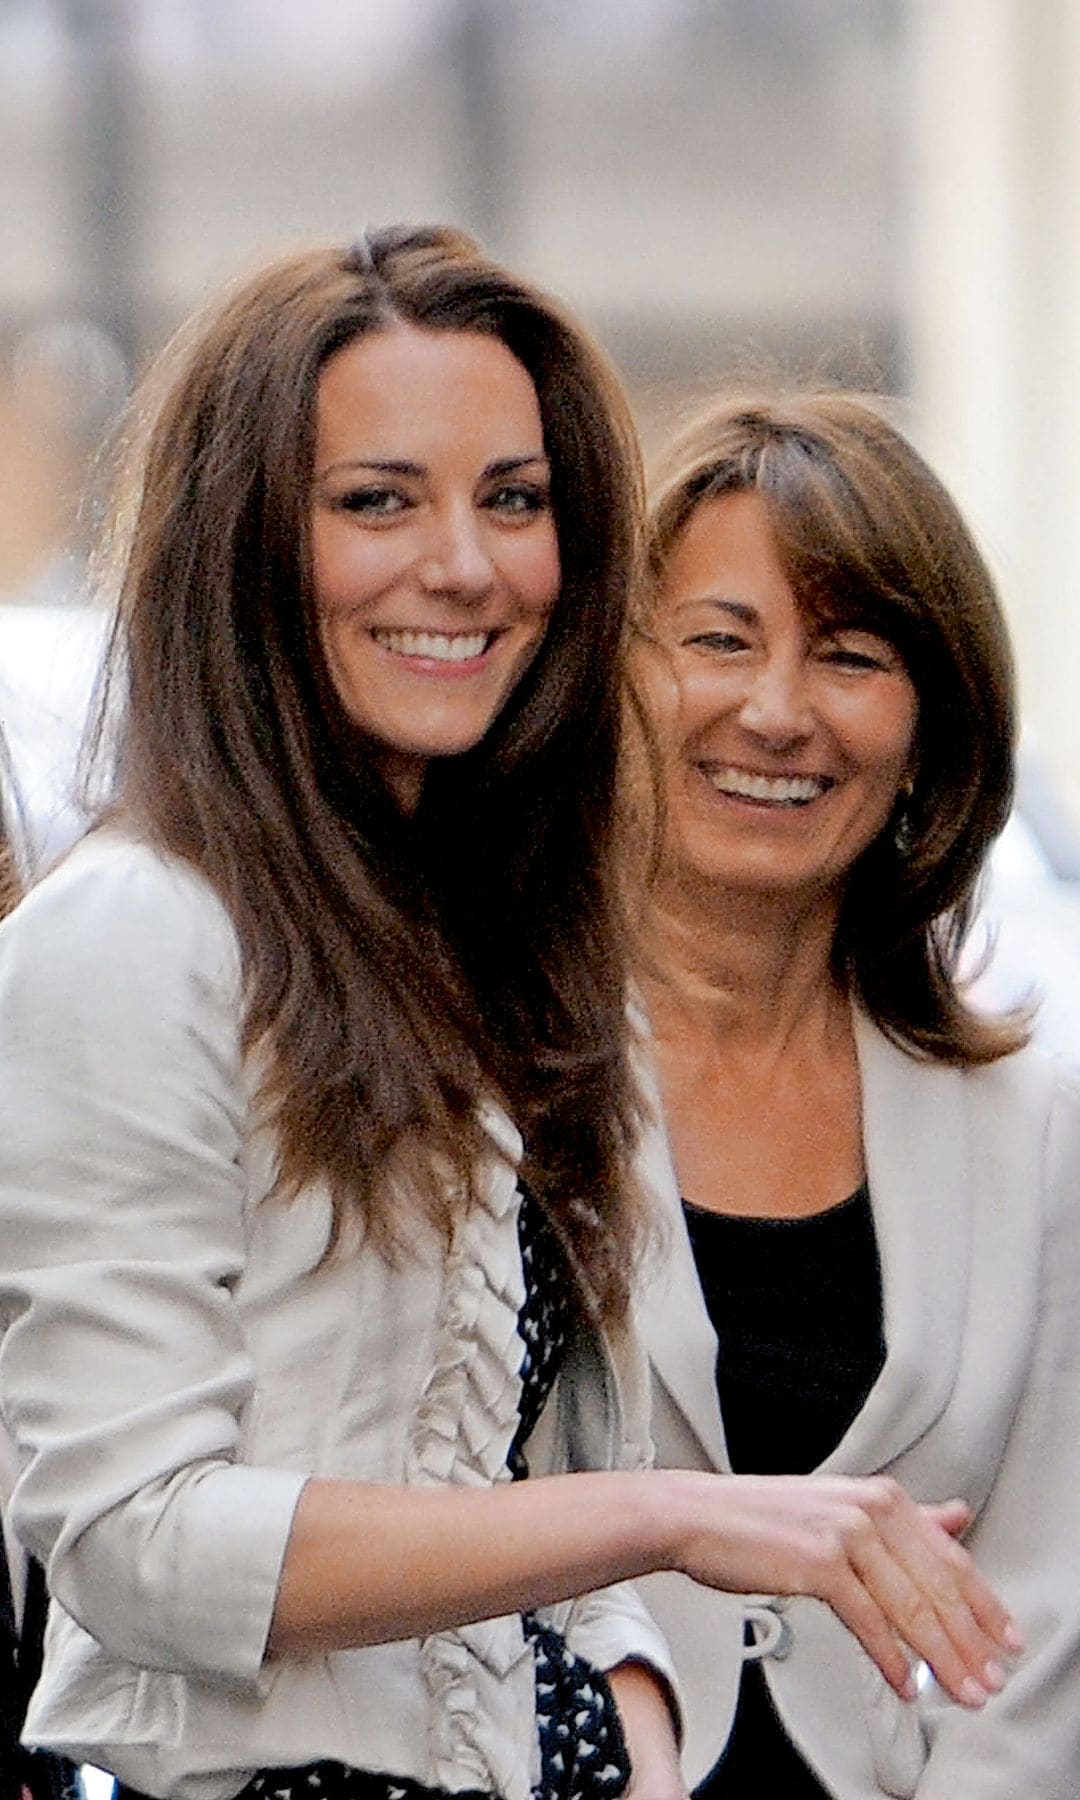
<point x="582" y="1751"/>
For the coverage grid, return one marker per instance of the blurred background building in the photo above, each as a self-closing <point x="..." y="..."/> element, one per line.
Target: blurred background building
<point x="876" y="191"/>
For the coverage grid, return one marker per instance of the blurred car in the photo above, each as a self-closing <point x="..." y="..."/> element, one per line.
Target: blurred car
<point x="1025" y="946"/>
<point x="50" y="657"/>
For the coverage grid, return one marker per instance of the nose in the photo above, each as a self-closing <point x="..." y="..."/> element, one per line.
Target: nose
<point x="456" y="559"/>
<point x="777" y="706"/>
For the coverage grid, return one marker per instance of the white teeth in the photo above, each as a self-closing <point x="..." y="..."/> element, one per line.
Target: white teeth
<point x="778" y="790"/>
<point x="437" y="646"/>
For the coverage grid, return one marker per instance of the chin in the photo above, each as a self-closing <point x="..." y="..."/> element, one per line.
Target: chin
<point x="454" y="745"/>
<point x="756" y="879"/>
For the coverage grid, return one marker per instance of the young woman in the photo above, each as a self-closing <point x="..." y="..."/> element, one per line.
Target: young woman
<point x="871" y="1191"/>
<point x="317" y="1228"/>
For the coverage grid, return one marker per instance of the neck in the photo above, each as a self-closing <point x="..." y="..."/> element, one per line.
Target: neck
<point x="404" y="776"/>
<point x="751" y="970"/>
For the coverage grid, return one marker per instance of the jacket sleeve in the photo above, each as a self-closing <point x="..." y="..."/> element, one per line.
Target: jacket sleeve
<point x="1027" y="1537"/>
<point x="124" y="1375"/>
<point x="613" y="1625"/>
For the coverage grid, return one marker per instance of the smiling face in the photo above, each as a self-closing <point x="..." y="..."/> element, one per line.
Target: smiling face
<point x="793" y="734"/>
<point x="435" y="556"/>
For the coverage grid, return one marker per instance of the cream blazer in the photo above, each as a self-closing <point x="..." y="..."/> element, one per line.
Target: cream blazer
<point x="177" y="1362"/>
<point x="975" y="1184"/>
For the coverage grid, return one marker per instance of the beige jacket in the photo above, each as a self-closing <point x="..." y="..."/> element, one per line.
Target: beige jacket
<point x="177" y="1363"/>
<point x="975" y="1185"/>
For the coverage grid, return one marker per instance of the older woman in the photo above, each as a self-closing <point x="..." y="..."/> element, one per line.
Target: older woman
<point x="873" y="1193"/>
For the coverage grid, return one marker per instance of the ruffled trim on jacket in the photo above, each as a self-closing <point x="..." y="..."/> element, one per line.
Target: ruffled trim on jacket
<point x="480" y="1678"/>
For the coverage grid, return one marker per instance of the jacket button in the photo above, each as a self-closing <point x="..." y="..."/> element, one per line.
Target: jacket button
<point x="766" y="1631"/>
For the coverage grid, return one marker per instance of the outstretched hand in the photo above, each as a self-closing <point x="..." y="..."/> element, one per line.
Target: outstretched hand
<point x="891" y="1569"/>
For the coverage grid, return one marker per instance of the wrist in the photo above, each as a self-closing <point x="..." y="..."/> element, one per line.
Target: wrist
<point x="674" y="1515"/>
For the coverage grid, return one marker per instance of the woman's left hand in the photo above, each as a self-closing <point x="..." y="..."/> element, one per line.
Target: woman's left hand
<point x="649" y="1729"/>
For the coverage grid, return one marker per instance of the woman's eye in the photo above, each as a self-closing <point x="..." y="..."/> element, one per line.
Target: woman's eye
<point x="519" y="499"/>
<point x="727" y="642"/>
<point x="852" y="659"/>
<point x="372" y="502"/>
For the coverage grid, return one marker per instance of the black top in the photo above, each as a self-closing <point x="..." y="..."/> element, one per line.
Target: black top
<point x="796" y="1306"/>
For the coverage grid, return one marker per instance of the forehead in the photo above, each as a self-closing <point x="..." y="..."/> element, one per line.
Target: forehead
<point x="729" y="549"/>
<point x="726" y="550"/>
<point x="413" y="393"/>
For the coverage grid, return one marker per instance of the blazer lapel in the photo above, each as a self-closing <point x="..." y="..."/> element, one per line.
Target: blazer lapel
<point x="917" y="1156"/>
<point x="673" y="1318"/>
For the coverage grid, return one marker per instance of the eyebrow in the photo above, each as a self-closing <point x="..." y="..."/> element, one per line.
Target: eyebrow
<point x="739" y="609"/>
<point x="503" y="465"/>
<point x="867" y="627"/>
<point x="822" y="627"/>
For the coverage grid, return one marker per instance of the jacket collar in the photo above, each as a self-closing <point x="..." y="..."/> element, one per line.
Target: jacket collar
<point x="917" y="1156"/>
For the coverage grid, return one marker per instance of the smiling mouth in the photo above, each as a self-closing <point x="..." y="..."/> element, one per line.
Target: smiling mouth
<point x="767" y="790"/>
<point x="436" y="646"/>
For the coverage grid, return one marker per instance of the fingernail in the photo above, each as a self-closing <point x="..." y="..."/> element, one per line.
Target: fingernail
<point x="971" y="1693"/>
<point x="1013" y="1637"/>
<point x="994" y="1677"/>
<point x="910" y="1690"/>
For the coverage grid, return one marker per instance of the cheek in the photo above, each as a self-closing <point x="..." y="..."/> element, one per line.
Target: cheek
<point x="348" y="571"/>
<point x="705" y="694"/>
<point x="537" y="576"/>
<point x="666" y="698"/>
<point x="878" y="729"/>
<point x="338" y="647"/>
<point x="899" y="733"/>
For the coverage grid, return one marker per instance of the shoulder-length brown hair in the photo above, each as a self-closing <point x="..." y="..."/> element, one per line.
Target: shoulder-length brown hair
<point x="867" y="532"/>
<point x="396" y="968"/>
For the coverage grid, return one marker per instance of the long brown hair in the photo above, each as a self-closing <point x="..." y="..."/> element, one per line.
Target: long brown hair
<point x="866" y="531"/>
<point x="396" y="968"/>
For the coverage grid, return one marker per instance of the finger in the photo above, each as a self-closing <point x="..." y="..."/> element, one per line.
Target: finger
<point x="916" y="1574"/>
<point x="930" y="1589"/>
<point x="954" y="1516"/>
<point x="964" y="1599"/>
<point x="933" y="1621"/>
<point x="942" y="1581"/>
<point x="857" y="1608"/>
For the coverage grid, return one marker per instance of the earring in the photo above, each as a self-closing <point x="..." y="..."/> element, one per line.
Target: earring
<point x="903" y="831"/>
